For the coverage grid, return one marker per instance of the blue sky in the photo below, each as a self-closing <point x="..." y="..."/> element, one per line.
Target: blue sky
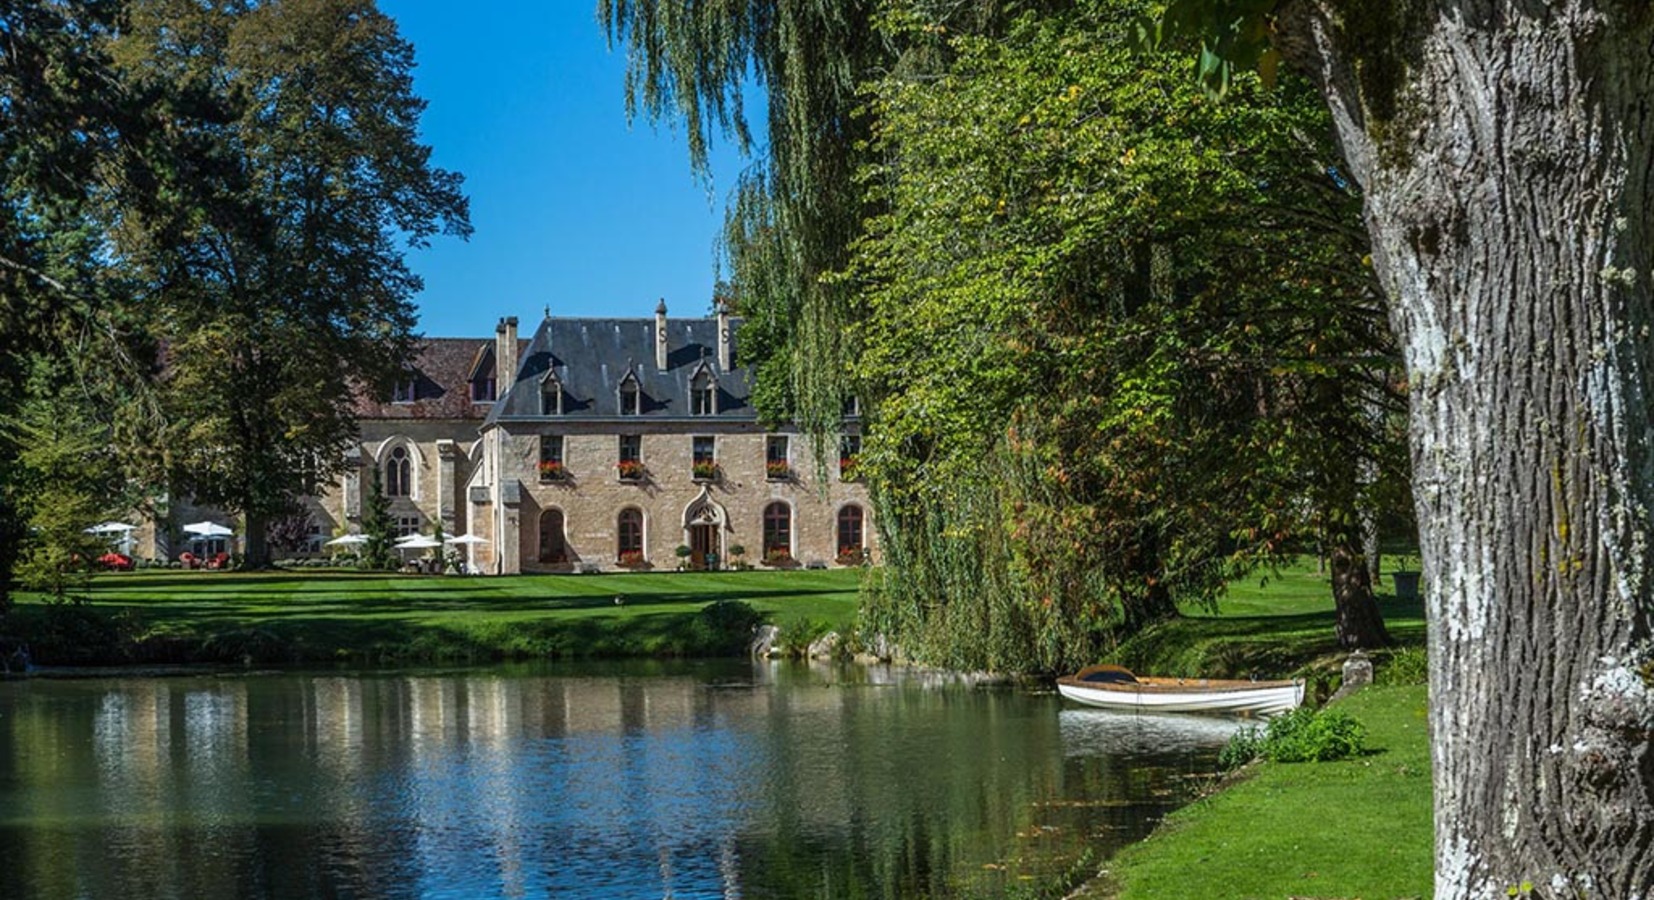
<point x="573" y="208"/>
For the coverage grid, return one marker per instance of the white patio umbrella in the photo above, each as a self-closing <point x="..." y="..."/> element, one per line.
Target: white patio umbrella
<point x="417" y="542"/>
<point x="465" y="539"/>
<point x="110" y="528"/>
<point x="208" y="529"/>
<point x="120" y="531"/>
<point x="344" y="539"/>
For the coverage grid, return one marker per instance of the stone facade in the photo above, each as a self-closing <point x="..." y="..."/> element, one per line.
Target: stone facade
<point x="457" y="445"/>
<point x="583" y="387"/>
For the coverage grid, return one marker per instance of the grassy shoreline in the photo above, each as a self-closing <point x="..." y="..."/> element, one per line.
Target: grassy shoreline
<point x="1353" y="828"/>
<point x="310" y="617"/>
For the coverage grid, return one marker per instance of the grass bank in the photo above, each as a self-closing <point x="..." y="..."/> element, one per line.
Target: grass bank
<point x="312" y="617"/>
<point x="1274" y="625"/>
<point x="1353" y="828"/>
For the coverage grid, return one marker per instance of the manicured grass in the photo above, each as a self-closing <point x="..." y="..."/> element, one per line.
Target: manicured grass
<point x="1273" y="625"/>
<point x="309" y="616"/>
<point x="1354" y="828"/>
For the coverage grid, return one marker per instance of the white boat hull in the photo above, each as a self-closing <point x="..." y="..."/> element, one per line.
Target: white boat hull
<point x="1262" y="700"/>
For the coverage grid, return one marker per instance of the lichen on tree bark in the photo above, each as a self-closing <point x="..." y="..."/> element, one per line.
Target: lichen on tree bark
<point x="1504" y="149"/>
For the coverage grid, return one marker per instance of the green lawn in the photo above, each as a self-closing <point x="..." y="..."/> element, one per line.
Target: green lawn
<point x="178" y="616"/>
<point x="1272" y="625"/>
<point x="1355" y="828"/>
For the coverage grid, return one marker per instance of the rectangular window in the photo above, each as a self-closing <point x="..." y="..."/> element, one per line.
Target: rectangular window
<point x="551" y="458"/>
<point x="849" y="454"/>
<point x="630" y="463"/>
<point x="852" y="406"/>
<point x="701" y="401"/>
<point x="403" y="392"/>
<point x="482" y="390"/>
<point x="776" y="466"/>
<point x="629" y="399"/>
<point x="704" y="465"/>
<point x="406" y="525"/>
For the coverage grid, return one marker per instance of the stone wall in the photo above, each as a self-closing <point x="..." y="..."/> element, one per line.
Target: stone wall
<point x="592" y="495"/>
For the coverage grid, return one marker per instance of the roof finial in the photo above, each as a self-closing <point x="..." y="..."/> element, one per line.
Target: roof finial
<point x="660" y="308"/>
<point x="548" y="310"/>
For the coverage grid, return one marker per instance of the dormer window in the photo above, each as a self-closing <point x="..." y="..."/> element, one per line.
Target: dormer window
<point x="631" y="398"/>
<point x="703" y="394"/>
<point x="852" y="406"/>
<point x="403" y="391"/>
<point x="551" y="397"/>
<point x="482" y="390"/>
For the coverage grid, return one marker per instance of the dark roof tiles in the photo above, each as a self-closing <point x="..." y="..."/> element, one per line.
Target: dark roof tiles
<point x="590" y="358"/>
<point x="442" y="369"/>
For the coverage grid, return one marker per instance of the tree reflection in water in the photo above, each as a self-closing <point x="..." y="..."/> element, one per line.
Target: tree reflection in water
<point x="717" y="780"/>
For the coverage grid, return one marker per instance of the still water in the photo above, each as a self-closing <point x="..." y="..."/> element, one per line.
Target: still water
<point x="634" y="780"/>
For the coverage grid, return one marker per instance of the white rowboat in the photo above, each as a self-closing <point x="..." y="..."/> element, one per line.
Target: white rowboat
<point x="1112" y="687"/>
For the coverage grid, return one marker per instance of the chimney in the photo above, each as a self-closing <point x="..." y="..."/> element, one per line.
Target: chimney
<point x="723" y="336"/>
<point x="505" y="355"/>
<point x="660" y="335"/>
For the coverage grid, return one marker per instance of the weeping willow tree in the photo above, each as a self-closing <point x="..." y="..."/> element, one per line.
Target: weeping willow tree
<point x="796" y="210"/>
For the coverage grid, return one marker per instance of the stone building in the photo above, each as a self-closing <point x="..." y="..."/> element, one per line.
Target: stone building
<point x="613" y="443"/>
<point x="618" y="441"/>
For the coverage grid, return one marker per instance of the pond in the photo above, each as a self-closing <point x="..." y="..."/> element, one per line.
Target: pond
<point x="619" y="780"/>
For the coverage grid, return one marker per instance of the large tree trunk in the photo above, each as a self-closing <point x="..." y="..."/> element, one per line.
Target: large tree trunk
<point x="1504" y="150"/>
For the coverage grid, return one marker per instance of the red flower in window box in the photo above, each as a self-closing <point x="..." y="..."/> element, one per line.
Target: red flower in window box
<point x="777" y="469"/>
<point x="778" y="557"/>
<point x="552" y="470"/>
<point x="847" y="467"/>
<point x="704" y="470"/>
<point x="631" y="559"/>
<point x="851" y="556"/>
<point x="629" y="469"/>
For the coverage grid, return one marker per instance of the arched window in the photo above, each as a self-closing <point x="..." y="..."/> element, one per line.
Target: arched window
<point x="629" y="529"/>
<point x="850" y="521"/>
<point x="554" y="548"/>
<point x="778" y="531"/>
<point x="399" y="473"/>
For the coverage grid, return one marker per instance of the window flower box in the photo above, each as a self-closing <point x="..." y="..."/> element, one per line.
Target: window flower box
<point x="847" y="468"/>
<point x="553" y="470"/>
<point x="777" y="470"/>
<point x="631" y="559"/>
<point x="851" y="556"/>
<point x="630" y="469"/>
<point x="779" y="558"/>
<point x="705" y="470"/>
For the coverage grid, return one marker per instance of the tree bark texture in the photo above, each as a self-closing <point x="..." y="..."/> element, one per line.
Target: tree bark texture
<point x="1504" y="150"/>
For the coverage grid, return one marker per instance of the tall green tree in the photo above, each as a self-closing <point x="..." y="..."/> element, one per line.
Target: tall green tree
<point x="1117" y="339"/>
<point x="278" y="283"/>
<point x="65" y="480"/>
<point x="1504" y="152"/>
<point x="71" y="137"/>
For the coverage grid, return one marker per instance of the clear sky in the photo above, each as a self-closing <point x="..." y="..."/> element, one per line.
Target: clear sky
<point x="573" y="208"/>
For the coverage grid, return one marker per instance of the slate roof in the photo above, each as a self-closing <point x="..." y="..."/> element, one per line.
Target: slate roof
<point x="442" y="370"/>
<point x="590" y="358"/>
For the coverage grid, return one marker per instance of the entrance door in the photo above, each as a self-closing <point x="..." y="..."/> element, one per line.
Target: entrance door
<point x="703" y="547"/>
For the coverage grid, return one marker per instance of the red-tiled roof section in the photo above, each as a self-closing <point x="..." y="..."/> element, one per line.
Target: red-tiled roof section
<point x="442" y="390"/>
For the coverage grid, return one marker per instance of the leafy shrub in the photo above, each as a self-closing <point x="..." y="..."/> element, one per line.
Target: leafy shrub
<point x="1307" y="734"/>
<point x="724" y="628"/>
<point x="1303" y="735"/>
<point x="1409" y="665"/>
<point x="1244" y="746"/>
